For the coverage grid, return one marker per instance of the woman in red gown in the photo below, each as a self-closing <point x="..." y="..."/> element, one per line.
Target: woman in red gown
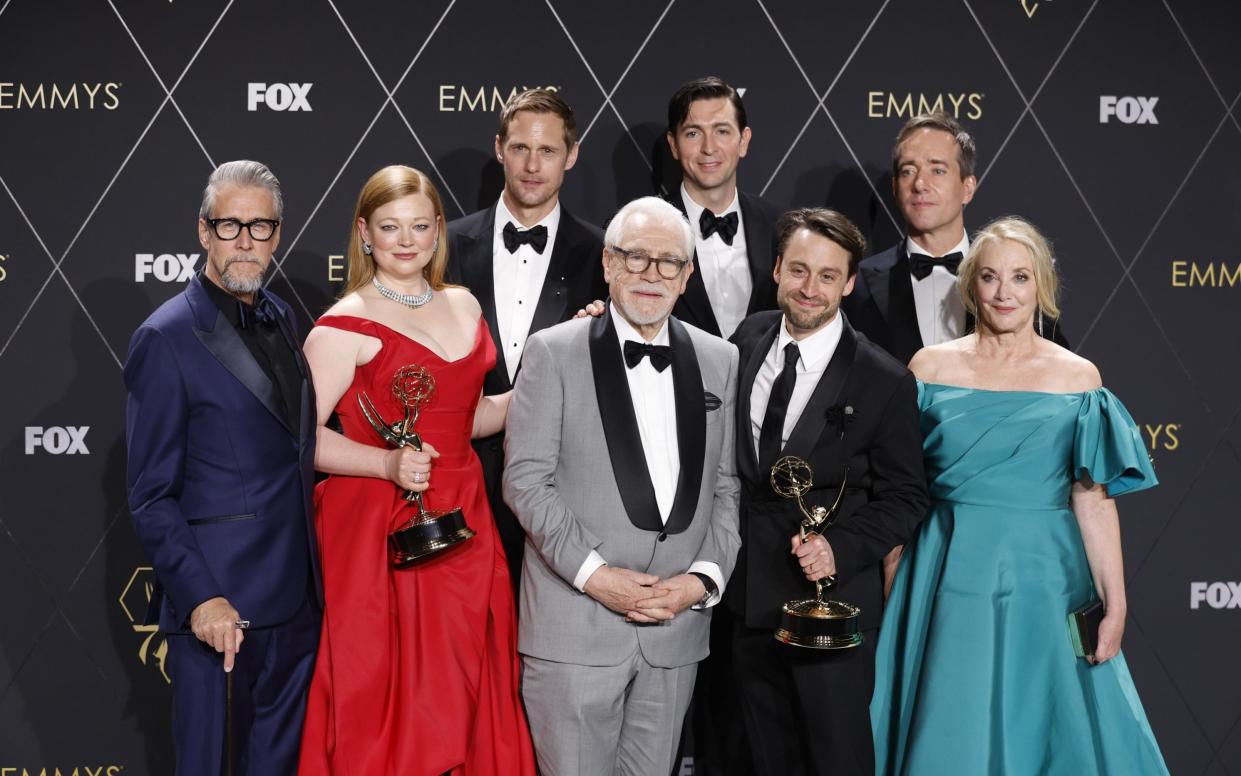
<point x="417" y="670"/>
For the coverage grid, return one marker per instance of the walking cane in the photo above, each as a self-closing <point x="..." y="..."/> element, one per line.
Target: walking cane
<point x="230" y="759"/>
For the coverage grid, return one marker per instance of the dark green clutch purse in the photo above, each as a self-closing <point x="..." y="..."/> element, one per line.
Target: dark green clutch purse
<point x="1084" y="628"/>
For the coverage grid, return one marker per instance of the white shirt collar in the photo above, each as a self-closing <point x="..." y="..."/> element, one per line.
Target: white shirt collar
<point x="962" y="247"/>
<point x="693" y="210"/>
<point x="504" y="217"/>
<point x="626" y="332"/>
<point x="817" y="349"/>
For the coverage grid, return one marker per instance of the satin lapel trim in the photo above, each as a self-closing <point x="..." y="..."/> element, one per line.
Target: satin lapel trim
<point x="745" y="387"/>
<point x="901" y="312"/>
<point x="620" y="426"/>
<point x="481" y="280"/>
<point x="810" y="425"/>
<point x="758" y="252"/>
<point x="226" y="345"/>
<point x="695" y="298"/>
<point x="691" y="410"/>
<point x="307" y="388"/>
<point x="553" y="299"/>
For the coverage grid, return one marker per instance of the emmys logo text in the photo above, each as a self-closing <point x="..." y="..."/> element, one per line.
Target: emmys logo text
<point x="886" y="105"/>
<point x="465" y="99"/>
<point x="57" y="440"/>
<point x="77" y="770"/>
<point x="1217" y="595"/>
<point x="280" y="97"/>
<point x="167" y="267"/>
<point x="1128" y="110"/>
<point x="4" y="273"/>
<point x="79" y="96"/>
<point x="1211" y="274"/>
<point x="336" y="268"/>
<point x="1162" y="436"/>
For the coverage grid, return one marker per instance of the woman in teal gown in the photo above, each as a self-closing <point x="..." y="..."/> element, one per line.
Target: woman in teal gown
<point x="1025" y="450"/>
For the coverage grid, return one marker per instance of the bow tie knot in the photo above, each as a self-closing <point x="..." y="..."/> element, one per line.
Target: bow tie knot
<point x="514" y="238"/>
<point x="921" y="265"/>
<point x="660" y="355"/>
<point x="726" y="225"/>
<point x="263" y="311"/>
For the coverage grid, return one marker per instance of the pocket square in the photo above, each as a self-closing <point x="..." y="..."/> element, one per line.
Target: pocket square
<point x="711" y="400"/>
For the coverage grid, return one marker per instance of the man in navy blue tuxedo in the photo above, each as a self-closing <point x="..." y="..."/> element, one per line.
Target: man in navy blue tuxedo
<point x="221" y="437"/>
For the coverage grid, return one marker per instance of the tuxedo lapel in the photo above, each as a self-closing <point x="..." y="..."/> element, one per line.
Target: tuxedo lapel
<point x="758" y="251"/>
<point x="288" y="329"/>
<point x="695" y="300"/>
<point x="810" y="425"/>
<point x="691" y="412"/>
<point x="223" y="342"/>
<point x="479" y="276"/>
<point x="620" y="426"/>
<point x="900" y="311"/>
<point x="553" y="297"/>
<point x="747" y="457"/>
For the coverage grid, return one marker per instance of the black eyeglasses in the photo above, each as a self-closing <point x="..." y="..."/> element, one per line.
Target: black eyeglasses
<point x="260" y="229"/>
<point x="636" y="262"/>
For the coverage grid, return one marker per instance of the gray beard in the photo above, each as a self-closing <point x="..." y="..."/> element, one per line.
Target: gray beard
<point x="236" y="285"/>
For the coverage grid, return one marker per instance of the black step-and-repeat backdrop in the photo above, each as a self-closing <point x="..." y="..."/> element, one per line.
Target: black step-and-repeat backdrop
<point x="1112" y="124"/>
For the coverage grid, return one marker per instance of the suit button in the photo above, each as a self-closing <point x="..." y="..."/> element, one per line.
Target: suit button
<point x="662" y="536"/>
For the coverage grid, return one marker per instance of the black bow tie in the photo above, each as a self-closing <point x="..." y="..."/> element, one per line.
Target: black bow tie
<point x="660" y="355"/>
<point x="513" y="239"/>
<point x="263" y="311"/>
<point x="921" y="265"/>
<point x="709" y="223"/>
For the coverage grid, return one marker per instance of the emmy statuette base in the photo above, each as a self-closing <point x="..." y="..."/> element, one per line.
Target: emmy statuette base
<point x="814" y="624"/>
<point x="428" y="534"/>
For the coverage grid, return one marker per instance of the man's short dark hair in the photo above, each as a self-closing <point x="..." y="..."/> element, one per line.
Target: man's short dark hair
<point x="966" y="152"/>
<point x="539" y="101"/>
<point x="708" y="88"/>
<point x="826" y="223"/>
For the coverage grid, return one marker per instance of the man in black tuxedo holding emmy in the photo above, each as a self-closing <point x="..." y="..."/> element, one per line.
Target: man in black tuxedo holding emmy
<point x="530" y="263"/>
<point x="906" y="297"/>
<point x="812" y="387"/>
<point x="734" y="232"/>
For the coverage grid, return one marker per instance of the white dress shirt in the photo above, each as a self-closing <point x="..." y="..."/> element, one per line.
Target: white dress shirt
<point x="518" y="279"/>
<point x="814" y="353"/>
<point x="725" y="268"/>
<point x="941" y="313"/>
<point x="655" y="408"/>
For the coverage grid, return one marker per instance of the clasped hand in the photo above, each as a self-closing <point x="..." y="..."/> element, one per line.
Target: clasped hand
<point x="815" y="556"/>
<point x="410" y="468"/>
<point x="644" y="598"/>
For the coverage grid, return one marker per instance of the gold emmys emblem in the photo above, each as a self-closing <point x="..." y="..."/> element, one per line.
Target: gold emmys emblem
<point x="134" y="600"/>
<point x="813" y="623"/>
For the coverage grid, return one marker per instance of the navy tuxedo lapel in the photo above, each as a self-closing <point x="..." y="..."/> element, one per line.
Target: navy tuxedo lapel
<point x="747" y="457"/>
<point x="223" y="342"/>
<point x="691" y="410"/>
<point x="288" y="328"/>
<point x="620" y="426"/>
<point x="810" y="425"/>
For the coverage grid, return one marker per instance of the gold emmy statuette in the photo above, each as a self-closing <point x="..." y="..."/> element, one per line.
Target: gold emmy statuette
<point x="428" y="531"/>
<point x="813" y="622"/>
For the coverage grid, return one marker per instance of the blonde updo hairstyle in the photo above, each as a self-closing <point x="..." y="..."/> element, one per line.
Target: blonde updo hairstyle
<point x="389" y="184"/>
<point x="1021" y="231"/>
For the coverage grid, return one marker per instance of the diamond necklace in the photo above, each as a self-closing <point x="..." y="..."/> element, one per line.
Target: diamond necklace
<point x="409" y="300"/>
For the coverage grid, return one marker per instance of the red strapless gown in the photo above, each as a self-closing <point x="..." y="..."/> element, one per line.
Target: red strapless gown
<point x="417" y="670"/>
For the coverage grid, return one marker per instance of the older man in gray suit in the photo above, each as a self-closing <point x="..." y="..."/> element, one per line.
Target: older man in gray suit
<point x="620" y="468"/>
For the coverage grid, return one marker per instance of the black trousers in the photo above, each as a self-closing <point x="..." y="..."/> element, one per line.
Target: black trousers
<point x="806" y="711"/>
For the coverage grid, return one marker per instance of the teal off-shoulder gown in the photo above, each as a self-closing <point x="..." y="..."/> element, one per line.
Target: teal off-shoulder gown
<point x="975" y="671"/>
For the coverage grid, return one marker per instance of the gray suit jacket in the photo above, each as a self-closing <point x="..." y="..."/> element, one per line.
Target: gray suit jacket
<point x="576" y="478"/>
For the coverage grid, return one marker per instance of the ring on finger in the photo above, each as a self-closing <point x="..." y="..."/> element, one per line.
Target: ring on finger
<point x="419" y="476"/>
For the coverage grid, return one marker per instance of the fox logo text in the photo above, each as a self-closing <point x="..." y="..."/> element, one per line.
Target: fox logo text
<point x="290" y="97"/>
<point x="167" y="267"/>
<point x="1129" y="110"/>
<point x="1217" y="595"/>
<point x="57" y="440"/>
